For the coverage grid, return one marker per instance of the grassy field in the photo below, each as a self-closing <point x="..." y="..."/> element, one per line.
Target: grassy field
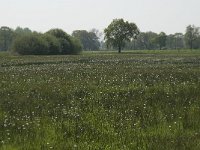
<point x="141" y="100"/>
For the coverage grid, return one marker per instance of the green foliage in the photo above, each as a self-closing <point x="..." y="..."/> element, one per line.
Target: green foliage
<point x="31" y="44"/>
<point x="60" y="43"/>
<point x="59" y="33"/>
<point x="89" y="40"/>
<point x="145" y="40"/>
<point x="22" y="31"/>
<point x="66" y="42"/>
<point x="191" y="37"/>
<point x="76" y="46"/>
<point x="53" y="44"/>
<point x="152" y="41"/>
<point x="139" y="100"/>
<point x="118" y="32"/>
<point x="6" y="38"/>
<point x="161" y="40"/>
<point x="175" y="41"/>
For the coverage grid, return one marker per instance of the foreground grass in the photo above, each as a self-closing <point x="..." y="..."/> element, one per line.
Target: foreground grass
<point x="101" y="101"/>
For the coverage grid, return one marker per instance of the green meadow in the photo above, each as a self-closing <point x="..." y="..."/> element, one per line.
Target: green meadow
<point x="136" y="100"/>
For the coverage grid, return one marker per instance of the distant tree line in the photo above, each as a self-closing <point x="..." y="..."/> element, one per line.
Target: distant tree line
<point x="152" y="41"/>
<point x="26" y="42"/>
<point x="54" y="42"/>
<point x="119" y="34"/>
<point x="122" y="34"/>
<point x="90" y="40"/>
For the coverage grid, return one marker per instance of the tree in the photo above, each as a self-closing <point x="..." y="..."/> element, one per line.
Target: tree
<point x="179" y="40"/>
<point x="66" y="42"/>
<point x="191" y="36"/>
<point x="22" y="31"/>
<point x="97" y="33"/>
<point x="175" y="41"/>
<point x="161" y="40"/>
<point x="170" y="41"/>
<point x="145" y="40"/>
<point x="6" y="38"/>
<point x="100" y="36"/>
<point x="119" y="31"/>
<point x="89" y="40"/>
<point x="94" y="41"/>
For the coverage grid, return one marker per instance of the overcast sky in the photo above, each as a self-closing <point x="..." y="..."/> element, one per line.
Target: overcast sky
<point x="169" y="16"/>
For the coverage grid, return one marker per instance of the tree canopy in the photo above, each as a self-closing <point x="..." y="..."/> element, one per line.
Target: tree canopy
<point x="160" y="40"/>
<point x="53" y="42"/>
<point x="191" y="36"/>
<point x="119" y="34"/>
<point x="119" y="31"/>
<point x="89" y="40"/>
<point x="68" y="44"/>
<point x="6" y="38"/>
<point x="32" y="44"/>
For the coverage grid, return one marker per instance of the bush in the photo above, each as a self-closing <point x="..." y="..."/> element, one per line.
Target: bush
<point x="32" y="44"/>
<point x="76" y="46"/>
<point x="54" y="42"/>
<point x="69" y="45"/>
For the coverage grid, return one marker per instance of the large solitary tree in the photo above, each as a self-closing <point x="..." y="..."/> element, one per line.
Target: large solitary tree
<point x="119" y="31"/>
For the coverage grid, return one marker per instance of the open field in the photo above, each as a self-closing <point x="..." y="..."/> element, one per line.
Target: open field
<point x="143" y="100"/>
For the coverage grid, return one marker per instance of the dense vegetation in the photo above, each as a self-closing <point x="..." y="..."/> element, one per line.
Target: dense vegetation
<point x="140" y="100"/>
<point x="90" y="40"/>
<point x="150" y="40"/>
<point x="119" y="34"/>
<point x="26" y="42"/>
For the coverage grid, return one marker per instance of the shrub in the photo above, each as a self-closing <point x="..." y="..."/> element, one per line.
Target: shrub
<point x="69" y="45"/>
<point x="53" y="44"/>
<point x="76" y="46"/>
<point x="32" y="44"/>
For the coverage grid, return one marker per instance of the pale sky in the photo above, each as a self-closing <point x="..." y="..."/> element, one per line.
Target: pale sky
<point x="169" y="16"/>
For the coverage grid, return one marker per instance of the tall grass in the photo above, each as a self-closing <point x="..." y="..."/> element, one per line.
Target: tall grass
<point x="100" y="101"/>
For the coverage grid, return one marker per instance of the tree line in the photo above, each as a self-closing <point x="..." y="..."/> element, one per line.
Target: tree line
<point x="54" y="42"/>
<point x="177" y="41"/>
<point x="26" y="42"/>
<point x="119" y="35"/>
<point x="122" y="34"/>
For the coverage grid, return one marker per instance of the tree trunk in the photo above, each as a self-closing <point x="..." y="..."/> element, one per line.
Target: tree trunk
<point x="119" y="50"/>
<point x="175" y="44"/>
